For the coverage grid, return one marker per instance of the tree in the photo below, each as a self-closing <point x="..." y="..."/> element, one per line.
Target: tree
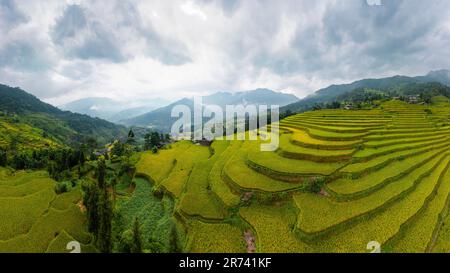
<point x="286" y="114"/>
<point x="13" y="145"/>
<point x="90" y="200"/>
<point x="426" y="97"/>
<point x="131" y="139"/>
<point x="101" y="173"/>
<point x="174" y="240"/>
<point x="317" y="107"/>
<point x="113" y="182"/>
<point x="118" y="148"/>
<point x="3" y="158"/>
<point x="147" y="142"/>
<point x="105" y="212"/>
<point x="335" y="105"/>
<point x="136" y="246"/>
<point x="91" y="144"/>
<point x="155" y="139"/>
<point x="81" y="157"/>
<point x="20" y="161"/>
<point x="99" y="208"/>
<point x="152" y="140"/>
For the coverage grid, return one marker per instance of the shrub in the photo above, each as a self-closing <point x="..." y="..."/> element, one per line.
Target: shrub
<point x="63" y="187"/>
<point x="316" y="184"/>
<point x="3" y="158"/>
<point x="282" y="196"/>
<point x="158" y="192"/>
<point x="265" y="199"/>
<point x="354" y="176"/>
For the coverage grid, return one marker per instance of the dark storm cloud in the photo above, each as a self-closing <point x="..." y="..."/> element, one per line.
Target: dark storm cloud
<point x="24" y="56"/>
<point x="9" y="15"/>
<point x="90" y="37"/>
<point x="20" y="51"/>
<point x="229" y="6"/>
<point x="79" y="38"/>
<point x="168" y="51"/>
<point x="70" y="23"/>
<point x="353" y="37"/>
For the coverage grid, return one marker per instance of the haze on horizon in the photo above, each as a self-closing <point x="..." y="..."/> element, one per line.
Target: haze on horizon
<point x="132" y="50"/>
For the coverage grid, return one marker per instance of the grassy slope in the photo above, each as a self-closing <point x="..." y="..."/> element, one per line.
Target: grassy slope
<point x="26" y="136"/>
<point x="36" y="215"/>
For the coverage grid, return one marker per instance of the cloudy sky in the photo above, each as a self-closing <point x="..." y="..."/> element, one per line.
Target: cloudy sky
<point x="130" y="50"/>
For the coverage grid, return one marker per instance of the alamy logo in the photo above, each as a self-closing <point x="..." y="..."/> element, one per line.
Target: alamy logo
<point x="236" y="122"/>
<point x="74" y="246"/>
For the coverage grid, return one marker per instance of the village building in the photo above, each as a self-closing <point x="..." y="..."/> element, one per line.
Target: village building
<point x="348" y="107"/>
<point x="413" y="99"/>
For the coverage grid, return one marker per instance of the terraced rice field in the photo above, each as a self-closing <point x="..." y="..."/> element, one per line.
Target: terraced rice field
<point x="39" y="220"/>
<point x="385" y="175"/>
<point x="27" y="137"/>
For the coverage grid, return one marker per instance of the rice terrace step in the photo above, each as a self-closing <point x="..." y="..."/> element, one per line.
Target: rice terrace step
<point x="231" y="127"/>
<point x="368" y="181"/>
<point x="371" y="186"/>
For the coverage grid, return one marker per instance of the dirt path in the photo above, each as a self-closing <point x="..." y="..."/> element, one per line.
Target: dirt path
<point x="250" y="240"/>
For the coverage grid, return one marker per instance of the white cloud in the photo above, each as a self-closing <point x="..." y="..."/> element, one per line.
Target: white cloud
<point x="192" y="9"/>
<point x="130" y="50"/>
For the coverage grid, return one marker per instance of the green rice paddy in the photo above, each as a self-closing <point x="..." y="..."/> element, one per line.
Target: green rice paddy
<point x="385" y="174"/>
<point x="339" y="180"/>
<point x="39" y="220"/>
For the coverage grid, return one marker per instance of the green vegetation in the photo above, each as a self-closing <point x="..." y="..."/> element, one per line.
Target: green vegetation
<point x="154" y="216"/>
<point x="37" y="216"/>
<point x="339" y="179"/>
<point x="54" y="125"/>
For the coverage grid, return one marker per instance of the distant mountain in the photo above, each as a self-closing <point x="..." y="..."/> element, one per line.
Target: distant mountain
<point x="258" y="97"/>
<point x="94" y="107"/>
<point x="130" y="113"/>
<point x="112" y="110"/>
<point x="440" y="76"/>
<point x="160" y="119"/>
<point x="389" y="84"/>
<point x="64" y="126"/>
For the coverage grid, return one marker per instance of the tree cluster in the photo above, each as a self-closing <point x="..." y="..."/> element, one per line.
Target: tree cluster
<point x="99" y="208"/>
<point x="154" y="140"/>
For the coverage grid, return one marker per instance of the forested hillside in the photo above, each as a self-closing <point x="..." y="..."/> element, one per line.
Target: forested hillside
<point x="433" y="84"/>
<point x="18" y="106"/>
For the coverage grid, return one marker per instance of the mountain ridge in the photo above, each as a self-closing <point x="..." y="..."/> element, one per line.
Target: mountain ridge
<point x="332" y="92"/>
<point x="161" y="118"/>
<point x="65" y="126"/>
<point x="111" y="110"/>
